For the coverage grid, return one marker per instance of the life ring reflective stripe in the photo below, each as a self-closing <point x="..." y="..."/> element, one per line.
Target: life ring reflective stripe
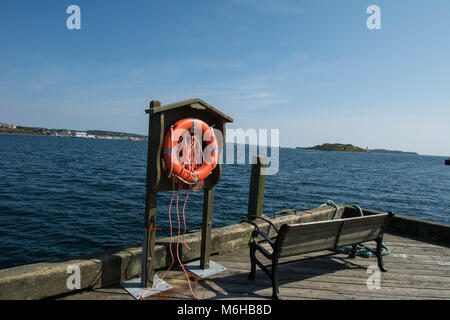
<point x="172" y="149"/>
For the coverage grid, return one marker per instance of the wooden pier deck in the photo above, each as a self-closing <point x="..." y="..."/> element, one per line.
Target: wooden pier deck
<point x="417" y="270"/>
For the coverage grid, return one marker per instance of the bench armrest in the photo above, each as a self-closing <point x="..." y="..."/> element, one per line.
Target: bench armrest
<point x="269" y="222"/>
<point x="262" y="234"/>
<point x="263" y="250"/>
<point x="256" y="226"/>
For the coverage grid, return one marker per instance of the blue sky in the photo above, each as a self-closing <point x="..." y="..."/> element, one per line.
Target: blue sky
<point x="309" y="68"/>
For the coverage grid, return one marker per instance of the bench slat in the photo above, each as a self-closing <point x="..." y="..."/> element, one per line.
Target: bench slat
<point x="357" y="231"/>
<point x="307" y="247"/>
<point x="358" y="237"/>
<point x="317" y="236"/>
<point x="298" y="237"/>
<point x="303" y="238"/>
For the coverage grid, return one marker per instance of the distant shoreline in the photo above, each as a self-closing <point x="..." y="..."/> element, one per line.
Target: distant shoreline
<point x="92" y="134"/>
<point x="392" y="151"/>
<point x="375" y="151"/>
<point x="70" y="137"/>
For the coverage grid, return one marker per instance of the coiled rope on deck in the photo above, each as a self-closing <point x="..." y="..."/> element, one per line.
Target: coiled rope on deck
<point x="360" y="249"/>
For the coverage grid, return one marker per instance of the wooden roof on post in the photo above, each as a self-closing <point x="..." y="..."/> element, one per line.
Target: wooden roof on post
<point x="191" y="103"/>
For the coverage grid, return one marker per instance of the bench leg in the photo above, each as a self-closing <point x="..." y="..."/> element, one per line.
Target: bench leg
<point x="380" y="256"/>
<point x="353" y="252"/>
<point x="252" y="274"/>
<point x="274" y="276"/>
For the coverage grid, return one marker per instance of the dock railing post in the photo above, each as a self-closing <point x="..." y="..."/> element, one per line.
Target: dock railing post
<point x="257" y="185"/>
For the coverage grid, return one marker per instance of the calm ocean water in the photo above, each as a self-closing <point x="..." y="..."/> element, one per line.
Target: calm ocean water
<point x="62" y="197"/>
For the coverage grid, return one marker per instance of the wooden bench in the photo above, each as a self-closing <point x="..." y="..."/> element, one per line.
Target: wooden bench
<point x="294" y="239"/>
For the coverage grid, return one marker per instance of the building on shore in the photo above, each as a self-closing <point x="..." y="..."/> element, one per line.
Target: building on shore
<point x="7" y="125"/>
<point x="80" y="134"/>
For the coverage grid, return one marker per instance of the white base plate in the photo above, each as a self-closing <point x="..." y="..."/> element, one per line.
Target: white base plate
<point x="134" y="287"/>
<point x="214" y="268"/>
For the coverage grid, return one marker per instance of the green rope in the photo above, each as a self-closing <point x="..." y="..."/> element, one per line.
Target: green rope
<point x="360" y="249"/>
<point x="331" y="203"/>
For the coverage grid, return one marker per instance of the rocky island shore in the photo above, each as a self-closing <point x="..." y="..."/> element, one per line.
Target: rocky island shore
<point x="351" y="148"/>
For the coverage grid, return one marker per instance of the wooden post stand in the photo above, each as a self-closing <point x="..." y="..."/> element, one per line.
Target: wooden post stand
<point x="158" y="180"/>
<point x="148" y="249"/>
<point x="205" y="253"/>
<point x="257" y="185"/>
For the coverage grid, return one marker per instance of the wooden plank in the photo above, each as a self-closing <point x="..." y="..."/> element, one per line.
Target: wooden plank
<point x="315" y="236"/>
<point x="347" y="284"/>
<point x="352" y="289"/>
<point x="345" y="268"/>
<point x="297" y="231"/>
<point x="412" y="246"/>
<point x="339" y="279"/>
<point x="290" y="280"/>
<point x="357" y="230"/>
<point x="312" y="227"/>
<point x="332" y="266"/>
<point x="301" y="238"/>
<point x="378" y="219"/>
<point x="393" y="265"/>
<point x="425" y="252"/>
<point x="148" y="256"/>
<point x="208" y="198"/>
<point x="421" y="257"/>
<point x="324" y="241"/>
<point x="358" y="235"/>
<point x="334" y="260"/>
<point x="366" y="220"/>
<point x="299" y="271"/>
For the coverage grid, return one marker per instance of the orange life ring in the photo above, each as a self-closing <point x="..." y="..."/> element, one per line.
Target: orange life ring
<point x="182" y="169"/>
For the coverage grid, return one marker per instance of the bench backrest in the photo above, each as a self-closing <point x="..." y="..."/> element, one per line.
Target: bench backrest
<point x="328" y="235"/>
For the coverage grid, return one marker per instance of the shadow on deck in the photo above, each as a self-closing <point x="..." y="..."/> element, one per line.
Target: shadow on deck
<point x="417" y="270"/>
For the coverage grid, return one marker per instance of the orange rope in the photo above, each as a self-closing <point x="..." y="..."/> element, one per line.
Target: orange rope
<point x="191" y="166"/>
<point x="178" y="252"/>
<point x="170" y="245"/>
<point x="184" y="218"/>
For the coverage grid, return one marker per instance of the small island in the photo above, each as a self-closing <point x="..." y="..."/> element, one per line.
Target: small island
<point x="337" y="147"/>
<point x="351" y="148"/>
